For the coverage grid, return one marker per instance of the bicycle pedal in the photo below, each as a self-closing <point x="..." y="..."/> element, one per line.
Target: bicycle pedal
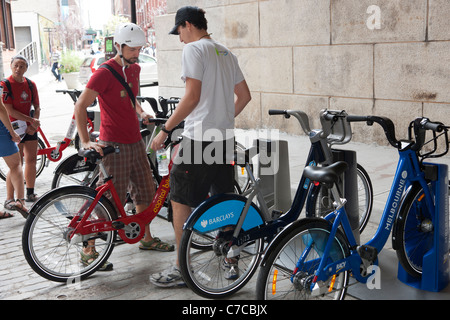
<point x="368" y="253"/>
<point x="118" y="225"/>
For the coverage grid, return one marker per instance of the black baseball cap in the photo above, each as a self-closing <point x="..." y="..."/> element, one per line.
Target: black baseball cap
<point x="188" y="13"/>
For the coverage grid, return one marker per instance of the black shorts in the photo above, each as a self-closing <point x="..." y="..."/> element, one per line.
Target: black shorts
<point x="192" y="182"/>
<point x="29" y="137"/>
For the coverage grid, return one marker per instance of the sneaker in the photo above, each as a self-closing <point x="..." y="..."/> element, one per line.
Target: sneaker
<point x="231" y="268"/>
<point x="168" y="278"/>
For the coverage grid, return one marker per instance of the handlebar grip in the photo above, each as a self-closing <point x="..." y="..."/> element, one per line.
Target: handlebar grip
<point x="173" y="101"/>
<point x="92" y="155"/>
<point x="277" y="112"/>
<point x="353" y="118"/>
<point x="434" y="126"/>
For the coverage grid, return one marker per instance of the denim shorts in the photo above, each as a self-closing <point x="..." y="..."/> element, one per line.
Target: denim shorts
<point x="7" y="146"/>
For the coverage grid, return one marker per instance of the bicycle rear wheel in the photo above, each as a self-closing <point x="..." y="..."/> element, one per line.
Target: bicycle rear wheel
<point x="46" y="236"/>
<point x="320" y="202"/>
<point x="41" y="161"/>
<point x="280" y="278"/>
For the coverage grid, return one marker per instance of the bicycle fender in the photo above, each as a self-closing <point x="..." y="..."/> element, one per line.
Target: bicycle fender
<point x="396" y="240"/>
<point x="280" y="236"/>
<point x="77" y="164"/>
<point x="223" y="210"/>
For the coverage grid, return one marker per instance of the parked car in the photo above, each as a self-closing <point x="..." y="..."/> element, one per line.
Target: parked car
<point x="149" y="70"/>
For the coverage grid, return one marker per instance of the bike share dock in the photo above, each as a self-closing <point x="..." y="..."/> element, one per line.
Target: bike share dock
<point x="394" y="282"/>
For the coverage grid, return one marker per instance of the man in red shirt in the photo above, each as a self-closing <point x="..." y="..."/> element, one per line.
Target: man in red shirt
<point x="120" y="127"/>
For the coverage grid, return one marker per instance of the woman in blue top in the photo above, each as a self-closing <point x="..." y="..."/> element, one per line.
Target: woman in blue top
<point x="10" y="153"/>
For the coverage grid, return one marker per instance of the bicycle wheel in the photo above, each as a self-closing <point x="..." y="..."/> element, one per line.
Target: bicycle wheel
<point x="414" y="231"/>
<point x="282" y="277"/>
<point x="45" y="238"/>
<point x="208" y="272"/>
<point x="320" y="202"/>
<point x="74" y="170"/>
<point x="41" y="161"/>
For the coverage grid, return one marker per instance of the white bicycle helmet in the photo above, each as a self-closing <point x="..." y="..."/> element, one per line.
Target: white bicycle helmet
<point x="130" y="34"/>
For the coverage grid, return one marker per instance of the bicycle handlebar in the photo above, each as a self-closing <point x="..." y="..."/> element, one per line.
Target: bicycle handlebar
<point x="300" y="115"/>
<point x="385" y="123"/>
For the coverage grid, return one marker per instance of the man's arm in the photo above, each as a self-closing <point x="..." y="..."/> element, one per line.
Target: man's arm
<point x="84" y="101"/>
<point x="186" y="105"/>
<point x="243" y="97"/>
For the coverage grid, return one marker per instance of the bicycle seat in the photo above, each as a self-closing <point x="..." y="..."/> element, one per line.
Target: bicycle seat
<point x="328" y="175"/>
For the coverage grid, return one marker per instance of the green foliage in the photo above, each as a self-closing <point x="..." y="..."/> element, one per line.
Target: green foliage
<point x="70" y="62"/>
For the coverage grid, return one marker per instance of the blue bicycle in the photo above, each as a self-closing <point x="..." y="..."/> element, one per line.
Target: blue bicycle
<point x="313" y="258"/>
<point x="234" y="228"/>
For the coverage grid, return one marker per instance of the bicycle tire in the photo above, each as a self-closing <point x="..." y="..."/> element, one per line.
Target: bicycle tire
<point x="319" y="203"/>
<point x="41" y="162"/>
<point x="45" y="240"/>
<point x="413" y="231"/>
<point x="203" y="270"/>
<point x="276" y="270"/>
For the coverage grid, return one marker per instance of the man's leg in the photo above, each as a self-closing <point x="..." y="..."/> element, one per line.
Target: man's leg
<point x="180" y="214"/>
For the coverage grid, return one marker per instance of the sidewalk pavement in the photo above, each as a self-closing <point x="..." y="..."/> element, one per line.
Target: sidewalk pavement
<point x="130" y="278"/>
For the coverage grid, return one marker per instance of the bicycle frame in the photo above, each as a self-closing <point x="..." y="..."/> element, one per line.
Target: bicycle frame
<point x="318" y="153"/>
<point x="54" y="153"/>
<point x="84" y="228"/>
<point x="408" y="171"/>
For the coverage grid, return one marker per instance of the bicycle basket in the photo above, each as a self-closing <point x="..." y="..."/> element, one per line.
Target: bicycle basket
<point x="337" y="126"/>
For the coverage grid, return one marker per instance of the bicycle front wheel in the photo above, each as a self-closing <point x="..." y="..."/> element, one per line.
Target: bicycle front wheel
<point x="207" y="270"/>
<point x="414" y="231"/>
<point x="283" y="277"/>
<point x="46" y="241"/>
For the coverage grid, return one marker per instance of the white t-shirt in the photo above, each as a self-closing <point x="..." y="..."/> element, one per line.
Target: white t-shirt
<point x="218" y="70"/>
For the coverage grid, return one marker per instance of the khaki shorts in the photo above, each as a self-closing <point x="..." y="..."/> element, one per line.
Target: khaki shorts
<point x="131" y="173"/>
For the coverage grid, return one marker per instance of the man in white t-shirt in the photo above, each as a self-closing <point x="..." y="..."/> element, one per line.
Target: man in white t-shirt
<point x="216" y="92"/>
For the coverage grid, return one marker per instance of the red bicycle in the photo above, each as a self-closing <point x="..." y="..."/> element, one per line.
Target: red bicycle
<point x="64" y="220"/>
<point x="46" y="152"/>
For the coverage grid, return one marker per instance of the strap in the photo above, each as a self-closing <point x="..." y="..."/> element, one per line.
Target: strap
<point x="122" y="81"/>
<point x="8" y="86"/>
<point x="30" y="85"/>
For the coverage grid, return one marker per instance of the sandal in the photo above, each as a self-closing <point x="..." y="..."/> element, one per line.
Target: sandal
<point x="5" y="215"/>
<point x="19" y="206"/>
<point x="9" y="204"/>
<point x="87" y="259"/>
<point x="32" y="197"/>
<point x="156" y="244"/>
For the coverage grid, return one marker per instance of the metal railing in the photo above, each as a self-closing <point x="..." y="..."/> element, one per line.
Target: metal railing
<point x="30" y="52"/>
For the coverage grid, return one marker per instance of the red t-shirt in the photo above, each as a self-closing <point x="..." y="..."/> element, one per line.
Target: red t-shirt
<point x="21" y="96"/>
<point x="119" y="122"/>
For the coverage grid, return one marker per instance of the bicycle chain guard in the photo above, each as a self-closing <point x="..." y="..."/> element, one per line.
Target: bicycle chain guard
<point x="131" y="232"/>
